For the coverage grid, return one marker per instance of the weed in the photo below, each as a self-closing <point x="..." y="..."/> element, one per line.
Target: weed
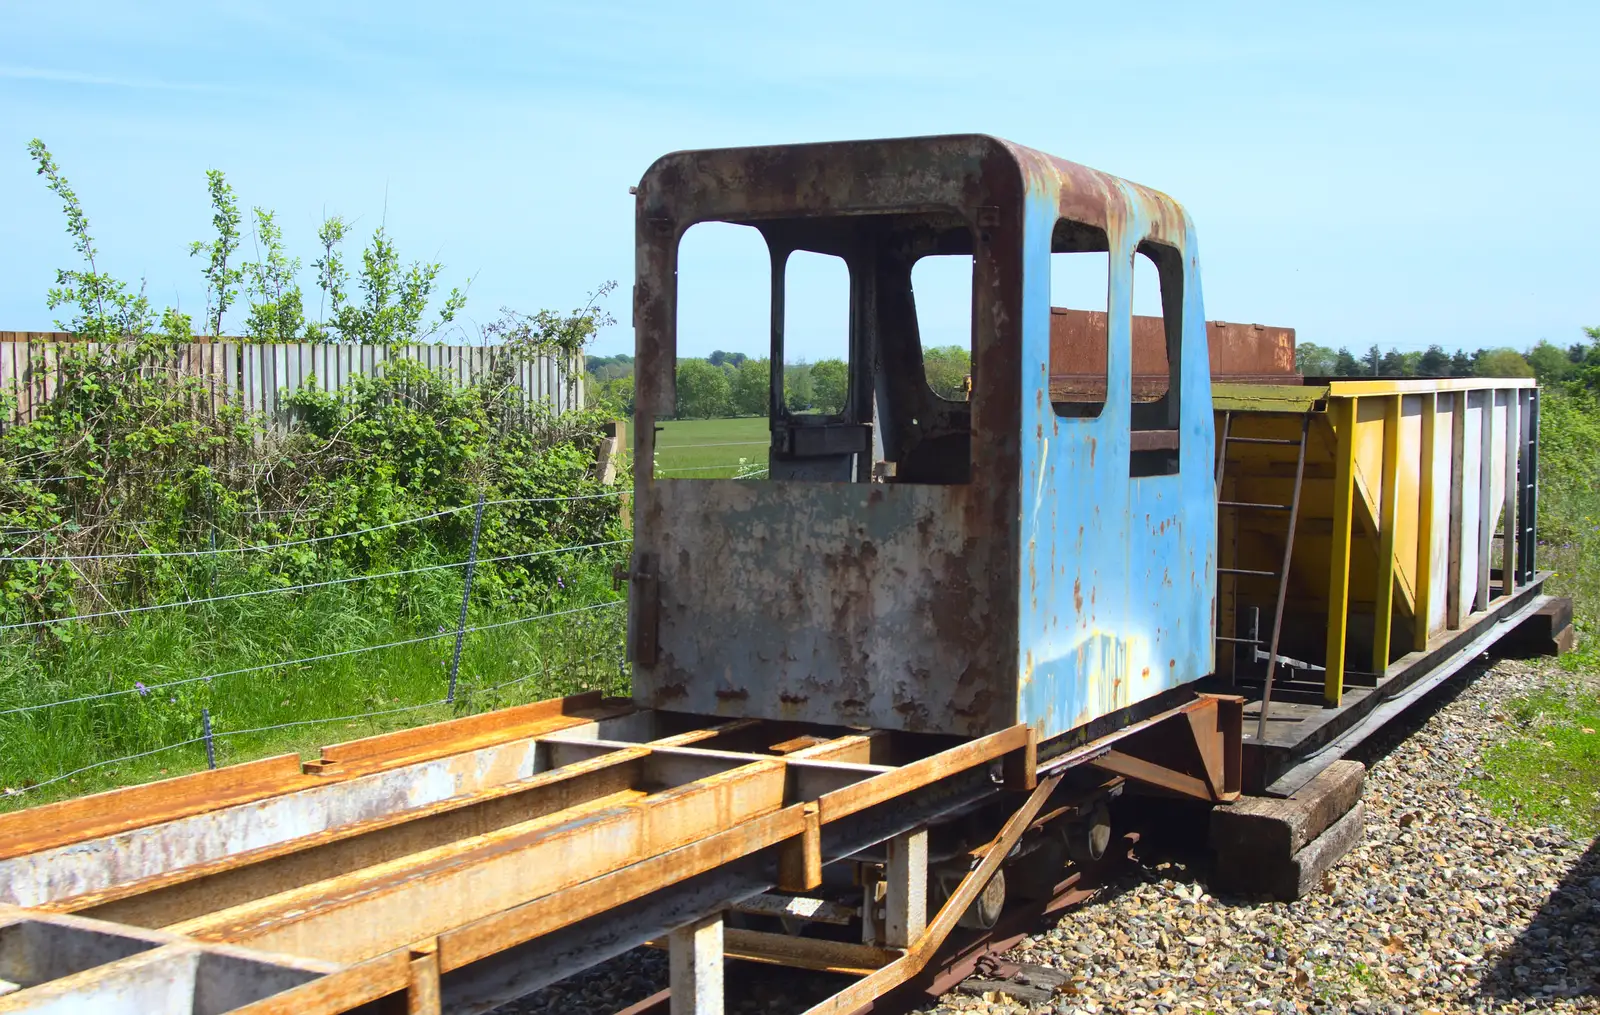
<point x="1550" y="774"/>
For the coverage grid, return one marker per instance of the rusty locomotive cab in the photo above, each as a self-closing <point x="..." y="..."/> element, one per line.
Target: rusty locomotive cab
<point x="1042" y="552"/>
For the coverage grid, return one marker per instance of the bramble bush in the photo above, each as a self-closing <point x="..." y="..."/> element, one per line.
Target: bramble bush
<point x="141" y="502"/>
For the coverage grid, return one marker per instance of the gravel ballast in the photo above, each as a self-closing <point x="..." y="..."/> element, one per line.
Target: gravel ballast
<point x="1442" y="906"/>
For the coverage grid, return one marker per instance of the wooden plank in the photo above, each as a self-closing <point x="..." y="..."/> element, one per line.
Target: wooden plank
<point x="707" y="733"/>
<point x="1427" y="462"/>
<point x="544" y="915"/>
<point x="233" y="379"/>
<point x="856" y="748"/>
<point x="360" y="915"/>
<point x="889" y="785"/>
<point x="1388" y="521"/>
<point x="1343" y="414"/>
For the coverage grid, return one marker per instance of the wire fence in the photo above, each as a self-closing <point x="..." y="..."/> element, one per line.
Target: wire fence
<point x="597" y="652"/>
<point x="602" y="643"/>
<point x="209" y="736"/>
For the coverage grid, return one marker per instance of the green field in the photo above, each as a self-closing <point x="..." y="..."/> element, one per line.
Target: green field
<point x="712" y="448"/>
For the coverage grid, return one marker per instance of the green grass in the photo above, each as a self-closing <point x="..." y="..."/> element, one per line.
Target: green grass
<point x="1550" y="773"/>
<point x="559" y="655"/>
<point x="711" y="448"/>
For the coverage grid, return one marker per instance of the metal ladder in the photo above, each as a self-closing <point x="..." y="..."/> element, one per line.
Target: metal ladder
<point x="1282" y="574"/>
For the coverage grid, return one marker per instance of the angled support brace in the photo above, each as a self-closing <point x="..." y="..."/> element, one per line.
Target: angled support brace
<point x="1198" y="753"/>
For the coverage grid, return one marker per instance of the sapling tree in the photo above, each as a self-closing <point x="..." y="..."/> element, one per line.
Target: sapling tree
<point x="222" y="281"/>
<point x="393" y="296"/>
<point x="332" y="278"/>
<point x="277" y="310"/>
<point x="107" y="309"/>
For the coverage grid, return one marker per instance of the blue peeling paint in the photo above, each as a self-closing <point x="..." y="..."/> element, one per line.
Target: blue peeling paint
<point x="1117" y="574"/>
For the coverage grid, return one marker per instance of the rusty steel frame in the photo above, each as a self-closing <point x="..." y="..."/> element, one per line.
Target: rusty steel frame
<point x="457" y="866"/>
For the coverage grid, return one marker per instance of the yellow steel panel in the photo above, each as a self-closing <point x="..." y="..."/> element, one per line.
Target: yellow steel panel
<point x="1372" y="416"/>
<point x="1424" y="536"/>
<point x="1343" y="412"/>
<point x="1455" y="512"/>
<point x="1389" y="496"/>
<point x="1408" y="504"/>
<point x="1379" y="386"/>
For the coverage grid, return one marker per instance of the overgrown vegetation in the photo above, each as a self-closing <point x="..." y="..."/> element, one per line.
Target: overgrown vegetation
<point x="165" y="557"/>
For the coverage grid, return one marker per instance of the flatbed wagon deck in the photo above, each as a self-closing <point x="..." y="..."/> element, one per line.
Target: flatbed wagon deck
<point x="458" y="866"/>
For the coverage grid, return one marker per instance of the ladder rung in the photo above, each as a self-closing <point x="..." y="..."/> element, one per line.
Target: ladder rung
<point x="1251" y="504"/>
<point x="1240" y="641"/>
<point x="1264" y="440"/>
<point x="1240" y="570"/>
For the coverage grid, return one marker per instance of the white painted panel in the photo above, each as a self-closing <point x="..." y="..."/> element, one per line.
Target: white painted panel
<point x="1440" y="561"/>
<point x="1496" y="462"/>
<point x="1472" y="467"/>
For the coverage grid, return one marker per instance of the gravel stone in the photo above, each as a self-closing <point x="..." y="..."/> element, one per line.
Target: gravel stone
<point x="1443" y="907"/>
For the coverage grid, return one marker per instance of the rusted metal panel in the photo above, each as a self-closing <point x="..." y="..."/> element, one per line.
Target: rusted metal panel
<point x="1048" y="583"/>
<point x="864" y="604"/>
<point x="1239" y="354"/>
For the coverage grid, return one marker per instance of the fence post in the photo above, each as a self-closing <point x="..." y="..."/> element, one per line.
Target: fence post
<point x="466" y="593"/>
<point x="211" y="746"/>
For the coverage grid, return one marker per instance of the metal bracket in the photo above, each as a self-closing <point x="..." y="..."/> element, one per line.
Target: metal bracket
<point x="1197" y="754"/>
<point x="646" y="597"/>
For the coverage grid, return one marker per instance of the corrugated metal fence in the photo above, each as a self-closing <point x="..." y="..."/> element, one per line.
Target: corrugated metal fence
<point x="260" y="377"/>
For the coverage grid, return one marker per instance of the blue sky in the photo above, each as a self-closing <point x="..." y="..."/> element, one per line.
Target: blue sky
<point x="1382" y="173"/>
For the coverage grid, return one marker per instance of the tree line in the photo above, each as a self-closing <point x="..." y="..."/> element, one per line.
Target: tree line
<point x="733" y="384"/>
<point x="1550" y="363"/>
